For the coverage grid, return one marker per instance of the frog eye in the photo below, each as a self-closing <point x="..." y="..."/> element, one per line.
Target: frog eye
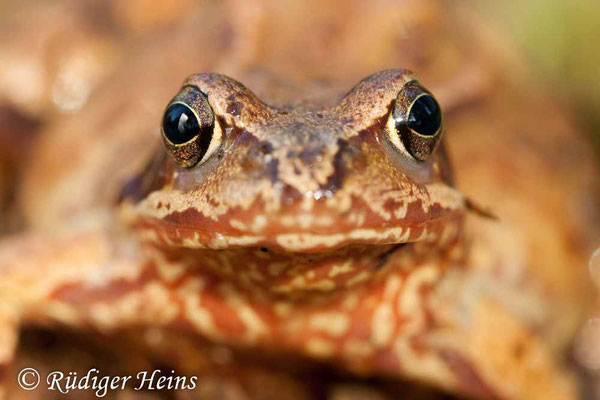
<point x="415" y="124"/>
<point x="190" y="131"/>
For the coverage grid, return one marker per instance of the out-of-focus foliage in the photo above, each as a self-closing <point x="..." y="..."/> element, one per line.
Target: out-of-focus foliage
<point x="561" y="38"/>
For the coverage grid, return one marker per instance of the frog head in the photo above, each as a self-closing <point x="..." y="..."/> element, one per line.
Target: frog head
<point x="236" y="172"/>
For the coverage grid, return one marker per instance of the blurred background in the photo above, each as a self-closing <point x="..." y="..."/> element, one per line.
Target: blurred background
<point x="55" y="54"/>
<point x="559" y="39"/>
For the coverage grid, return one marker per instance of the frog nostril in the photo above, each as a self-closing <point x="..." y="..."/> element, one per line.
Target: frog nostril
<point x="265" y="148"/>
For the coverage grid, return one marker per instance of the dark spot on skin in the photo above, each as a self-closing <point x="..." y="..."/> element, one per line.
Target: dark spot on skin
<point x="340" y="167"/>
<point x="264" y="249"/>
<point x="292" y="154"/>
<point x="265" y="148"/>
<point x="213" y="203"/>
<point x="168" y="206"/>
<point x="290" y="194"/>
<point x="382" y="259"/>
<point x="159" y="205"/>
<point x="391" y="205"/>
<point x="242" y="137"/>
<point x="257" y="161"/>
<point x="297" y="127"/>
<point x="311" y="155"/>
<point x="373" y="133"/>
<point x="414" y="212"/>
<point x="235" y="108"/>
<point x="272" y="170"/>
<point x="319" y="115"/>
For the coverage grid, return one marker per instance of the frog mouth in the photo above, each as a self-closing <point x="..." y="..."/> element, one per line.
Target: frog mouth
<point x="323" y="227"/>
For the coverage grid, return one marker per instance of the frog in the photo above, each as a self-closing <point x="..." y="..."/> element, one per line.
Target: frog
<point x="252" y="231"/>
<point x="306" y="221"/>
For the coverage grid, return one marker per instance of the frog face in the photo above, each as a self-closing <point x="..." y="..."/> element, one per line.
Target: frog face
<point x="236" y="172"/>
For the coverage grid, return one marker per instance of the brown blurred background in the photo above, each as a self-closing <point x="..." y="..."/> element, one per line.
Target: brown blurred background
<point x="559" y="40"/>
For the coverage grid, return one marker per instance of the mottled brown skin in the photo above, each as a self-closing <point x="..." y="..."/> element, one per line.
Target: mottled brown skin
<point x="242" y="251"/>
<point x="331" y="263"/>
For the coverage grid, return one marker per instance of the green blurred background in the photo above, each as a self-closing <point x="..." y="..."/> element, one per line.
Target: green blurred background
<point x="561" y="39"/>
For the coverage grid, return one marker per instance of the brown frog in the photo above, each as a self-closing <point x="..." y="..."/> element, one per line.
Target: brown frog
<point x="306" y="223"/>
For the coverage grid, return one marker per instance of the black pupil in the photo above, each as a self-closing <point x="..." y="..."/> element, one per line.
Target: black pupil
<point x="425" y="116"/>
<point x="180" y="124"/>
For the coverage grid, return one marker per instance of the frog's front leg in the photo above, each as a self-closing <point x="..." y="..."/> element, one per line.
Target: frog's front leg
<point x="94" y="279"/>
<point x="102" y="280"/>
<point x="34" y="268"/>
